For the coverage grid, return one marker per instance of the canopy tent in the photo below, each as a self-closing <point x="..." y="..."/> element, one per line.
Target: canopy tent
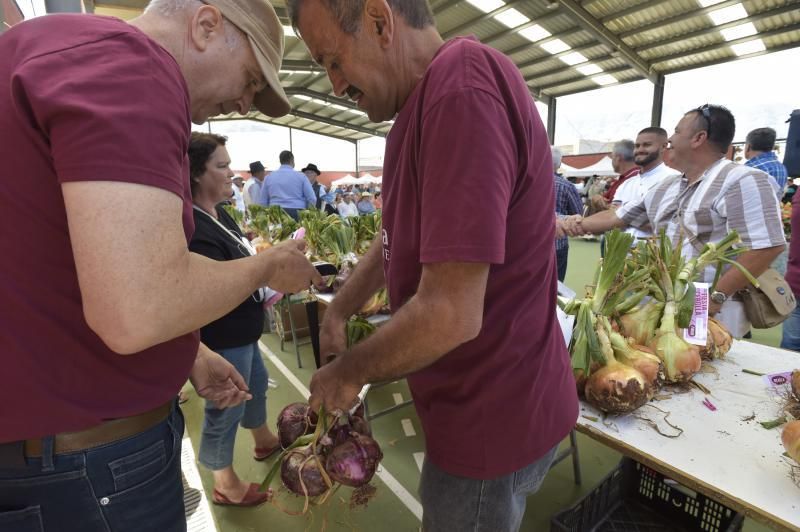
<point x="346" y="180"/>
<point x="565" y="170"/>
<point x="602" y="167"/>
<point x="369" y="179"/>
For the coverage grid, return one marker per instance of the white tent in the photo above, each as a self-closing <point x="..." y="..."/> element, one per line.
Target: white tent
<point x="602" y="167"/>
<point x="346" y="180"/>
<point x="565" y="169"/>
<point x="369" y="179"/>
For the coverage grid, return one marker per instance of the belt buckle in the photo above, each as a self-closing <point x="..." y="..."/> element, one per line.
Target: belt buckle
<point x="12" y="455"/>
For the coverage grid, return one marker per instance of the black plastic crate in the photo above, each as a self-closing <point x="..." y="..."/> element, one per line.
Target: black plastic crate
<point x="635" y="498"/>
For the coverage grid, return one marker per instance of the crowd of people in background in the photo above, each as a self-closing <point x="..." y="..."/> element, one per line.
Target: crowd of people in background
<point x="700" y="201"/>
<point x="295" y="191"/>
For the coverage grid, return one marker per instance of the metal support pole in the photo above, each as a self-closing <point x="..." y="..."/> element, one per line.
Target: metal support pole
<point x="551" y="121"/>
<point x="356" y="158"/>
<point x="658" y="101"/>
<point x="63" y="6"/>
<point x="290" y="141"/>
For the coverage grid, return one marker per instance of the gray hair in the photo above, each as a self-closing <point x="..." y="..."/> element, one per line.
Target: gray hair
<point x="556" y="154"/>
<point x="417" y="13"/>
<point x="234" y="37"/>
<point x="624" y="148"/>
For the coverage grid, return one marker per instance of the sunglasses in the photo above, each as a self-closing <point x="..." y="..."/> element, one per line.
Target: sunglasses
<point x="706" y="112"/>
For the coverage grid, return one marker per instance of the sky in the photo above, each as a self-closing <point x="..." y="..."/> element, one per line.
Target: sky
<point x="760" y="91"/>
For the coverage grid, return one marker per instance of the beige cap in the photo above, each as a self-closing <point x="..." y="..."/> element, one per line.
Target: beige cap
<point x="257" y="19"/>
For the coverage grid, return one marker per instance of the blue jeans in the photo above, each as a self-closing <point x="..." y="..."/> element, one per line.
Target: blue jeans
<point x="452" y="503"/>
<point x="129" y="485"/>
<point x="219" y="427"/>
<point x="791" y="331"/>
<point x="561" y="262"/>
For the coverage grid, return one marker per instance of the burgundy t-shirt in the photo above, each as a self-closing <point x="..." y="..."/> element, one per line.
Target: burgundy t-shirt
<point x="86" y="99"/>
<point x="793" y="267"/>
<point x="467" y="177"/>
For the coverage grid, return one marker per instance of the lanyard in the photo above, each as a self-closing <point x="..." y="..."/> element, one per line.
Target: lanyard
<point x="239" y="240"/>
<point x="248" y="247"/>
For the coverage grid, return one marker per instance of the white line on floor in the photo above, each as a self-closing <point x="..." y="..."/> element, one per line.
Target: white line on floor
<point x="198" y="511"/>
<point x="398" y="398"/>
<point x="418" y="458"/>
<point x="408" y="428"/>
<point x="386" y="477"/>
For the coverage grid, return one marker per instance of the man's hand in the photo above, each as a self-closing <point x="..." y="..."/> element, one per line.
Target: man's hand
<point x="289" y="270"/>
<point x="572" y="225"/>
<point x="330" y="388"/>
<point x="217" y="380"/>
<point x="332" y="337"/>
<point x="560" y="230"/>
<point x="713" y="307"/>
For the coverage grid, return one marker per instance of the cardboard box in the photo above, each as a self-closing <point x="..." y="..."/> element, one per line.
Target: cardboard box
<point x="299" y="316"/>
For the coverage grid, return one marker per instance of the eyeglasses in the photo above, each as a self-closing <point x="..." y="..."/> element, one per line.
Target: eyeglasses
<point x="706" y="112"/>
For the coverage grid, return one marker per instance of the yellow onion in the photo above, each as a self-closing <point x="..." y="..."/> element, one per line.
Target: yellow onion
<point x="641" y="324"/>
<point x="616" y="388"/>
<point x="796" y="383"/>
<point x="791" y="439"/>
<point x="681" y="359"/>
<point x="718" y="341"/>
<point x="639" y="357"/>
<point x="581" y="378"/>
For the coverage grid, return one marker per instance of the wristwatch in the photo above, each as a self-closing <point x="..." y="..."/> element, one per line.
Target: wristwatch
<point x="718" y="297"/>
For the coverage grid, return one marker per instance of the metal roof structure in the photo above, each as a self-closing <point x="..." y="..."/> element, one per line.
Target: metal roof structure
<point x="561" y="47"/>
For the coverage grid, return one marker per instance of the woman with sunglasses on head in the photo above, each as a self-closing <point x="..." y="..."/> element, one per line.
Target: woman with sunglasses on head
<point x="235" y="335"/>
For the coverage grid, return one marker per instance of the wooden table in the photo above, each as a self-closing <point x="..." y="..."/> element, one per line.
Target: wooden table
<point x="721" y="453"/>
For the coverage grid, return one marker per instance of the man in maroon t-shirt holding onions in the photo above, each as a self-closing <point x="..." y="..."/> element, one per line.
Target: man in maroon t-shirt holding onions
<point x="466" y="252"/>
<point x="102" y="297"/>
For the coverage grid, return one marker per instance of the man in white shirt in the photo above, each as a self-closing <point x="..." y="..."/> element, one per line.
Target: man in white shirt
<point x="252" y="189"/>
<point x="347" y="207"/>
<point x="649" y="157"/>
<point x="238" y="198"/>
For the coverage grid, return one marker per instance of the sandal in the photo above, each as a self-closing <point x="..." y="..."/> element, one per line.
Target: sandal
<point x="253" y="497"/>
<point x="262" y="453"/>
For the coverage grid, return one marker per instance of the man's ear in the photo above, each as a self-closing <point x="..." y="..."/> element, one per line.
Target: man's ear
<point x="379" y="20"/>
<point x="205" y="24"/>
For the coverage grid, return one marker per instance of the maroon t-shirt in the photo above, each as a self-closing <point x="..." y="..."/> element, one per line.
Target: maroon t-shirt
<point x="793" y="267"/>
<point x="466" y="176"/>
<point x="86" y="99"/>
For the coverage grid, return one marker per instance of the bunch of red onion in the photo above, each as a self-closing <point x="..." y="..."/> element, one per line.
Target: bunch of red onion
<point x="321" y="451"/>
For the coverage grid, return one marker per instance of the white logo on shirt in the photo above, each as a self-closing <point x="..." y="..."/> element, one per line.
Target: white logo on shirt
<point x="387" y="252"/>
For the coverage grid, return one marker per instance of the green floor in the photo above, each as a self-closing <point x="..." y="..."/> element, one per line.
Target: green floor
<point x="387" y="512"/>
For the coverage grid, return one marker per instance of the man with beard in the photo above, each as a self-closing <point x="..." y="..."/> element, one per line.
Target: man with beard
<point x="649" y="157"/>
<point x="712" y="197"/>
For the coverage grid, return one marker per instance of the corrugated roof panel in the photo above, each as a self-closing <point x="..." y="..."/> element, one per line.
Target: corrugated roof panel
<point x="602" y="8"/>
<point x="456" y="15"/>
<point x="655" y="13"/>
<point x="712" y="38"/>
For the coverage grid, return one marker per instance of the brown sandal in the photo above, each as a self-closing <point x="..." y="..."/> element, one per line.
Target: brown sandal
<point x="253" y="497"/>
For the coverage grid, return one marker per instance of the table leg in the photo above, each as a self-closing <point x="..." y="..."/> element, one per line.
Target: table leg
<point x="312" y="312"/>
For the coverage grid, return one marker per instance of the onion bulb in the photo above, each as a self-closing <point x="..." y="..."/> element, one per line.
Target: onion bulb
<point x="718" y="341"/>
<point x="641" y="324"/>
<point x="681" y="359"/>
<point x="791" y="439"/>
<point x="301" y="469"/>
<point x="616" y="388"/>
<point x="796" y="384"/>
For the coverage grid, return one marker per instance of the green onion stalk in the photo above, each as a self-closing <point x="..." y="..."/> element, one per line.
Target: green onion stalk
<point x="674" y="278"/>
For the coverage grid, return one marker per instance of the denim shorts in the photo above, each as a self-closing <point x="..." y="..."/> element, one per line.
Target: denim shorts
<point x="220" y="425"/>
<point x="130" y="485"/>
<point x="451" y="503"/>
